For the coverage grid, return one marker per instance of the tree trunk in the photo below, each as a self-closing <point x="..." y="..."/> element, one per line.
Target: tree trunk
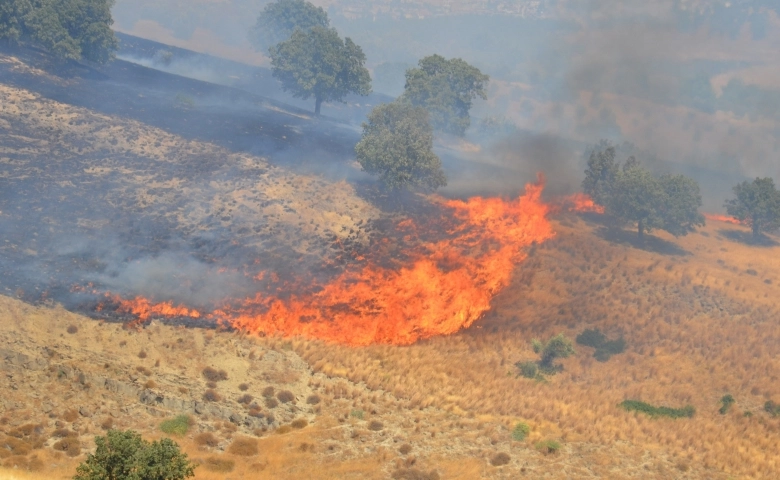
<point x="641" y="231"/>
<point x="317" y="105"/>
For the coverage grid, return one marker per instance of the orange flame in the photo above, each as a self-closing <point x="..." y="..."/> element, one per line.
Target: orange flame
<point x="722" y="218"/>
<point x="445" y="286"/>
<point x="144" y="309"/>
<point x="581" y="202"/>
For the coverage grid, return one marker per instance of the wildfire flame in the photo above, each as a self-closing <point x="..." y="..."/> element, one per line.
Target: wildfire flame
<point x="722" y="218"/>
<point x="580" y="202"/>
<point x="445" y="286"/>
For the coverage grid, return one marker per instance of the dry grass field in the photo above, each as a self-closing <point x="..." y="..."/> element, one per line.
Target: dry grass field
<point x="698" y="315"/>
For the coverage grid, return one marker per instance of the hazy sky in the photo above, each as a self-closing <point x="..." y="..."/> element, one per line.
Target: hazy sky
<point x="696" y="83"/>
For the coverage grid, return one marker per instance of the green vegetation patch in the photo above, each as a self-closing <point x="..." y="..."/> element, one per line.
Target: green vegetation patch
<point x="772" y="407"/>
<point x="727" y="401"/>
<point x="520" y="431"/>
<point x="604" y="348"/>
<point x="178" y="425"/>
<point x="635" y="405"/>
<point x="548" y="446"/>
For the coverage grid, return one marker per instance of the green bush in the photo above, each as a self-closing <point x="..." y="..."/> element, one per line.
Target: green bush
<point x="604" y="348"/>
<point x="772" y="408"/>
<point x="124" y="455"/>
<point x="548" y="446"/>
<point x="177" y="426"/>
<point x="528" y="369"/>
<point x="635" y="405"/>
<point x="520" y="431"/>
<point x="727" y="401"/>
<point x="357" y="414"/>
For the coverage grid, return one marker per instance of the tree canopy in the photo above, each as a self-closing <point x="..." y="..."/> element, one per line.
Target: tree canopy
<point x="318" y="63"/>
<point x="446" y="88"/>
<point x="278" y="20"/>
<point x="632" y="194"/>
<point x="69" y="29"/>
<point x="757" y="204"/>
<point x="397" y="145"/>
<point x="124" y="455"/>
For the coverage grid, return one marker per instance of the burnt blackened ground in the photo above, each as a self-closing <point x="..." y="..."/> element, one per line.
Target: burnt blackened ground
<point x="130" y="180"/>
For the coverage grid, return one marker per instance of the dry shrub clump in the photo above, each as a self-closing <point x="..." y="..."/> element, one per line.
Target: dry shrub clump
<point x="206" y="439"/>
<point x="313" y="399"/>
<point x="284" y="429"/>
<point x="285" y="396"/>
<point x="245" y="399"/>
<point x="13" y="446"/>
<point x="243" y="446"/>
<point x="414" y="474"/>
<point x="70" y="445"/>
<point x="243" y="387"/>
<point x="142" y="354"/>
<point x="31" y="464"/>
<point x="299" y="423"/>
<point x="211" y="396"/>
<point x="63" y="432"/>
<point x="271" y="403"/>
<point x="70" y="415"/>
<point x="107" y="424"/>
<point x="217" y="464"/>
<point x="268" y="392"/>
<point x="150" y="384"/>
<point x="375" y="425"/>
<point x="72" y="329"/>
<point x="214" y="375"/>
<point x="405" y="449"/>
<point x="500" y="459"/>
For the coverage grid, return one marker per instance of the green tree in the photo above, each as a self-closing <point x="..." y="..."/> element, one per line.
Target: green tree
<point x="557" y="347"/>
<point x="318" y="63"/>
<point x="600" y="173"/>
<point x="756" y="203"/>
<point x="69" y="29"/>
<point x="446" y="88"/>
<point x="278" y="20"/>
<point x="632" y="194"/>
<point x="397" y="145"/>
<point x="124" y="455"/>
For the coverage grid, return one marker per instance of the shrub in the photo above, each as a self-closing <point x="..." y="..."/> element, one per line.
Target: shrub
<point x="63" y="432"/>
<point x="313" y="399"/>
<point x="217" y="464"/>
<point x="207" y="439"/>
<point x="357" y="414"/>
<point x="246" y="399"/>
<point x="120" y="452"/>
<point x="70" y="415"/>
<point x="70" y="445"/>
<point x="271" y="403"/>
<point x="520" y="431"/>
<point x="285" y="396"/>
<point x="772" y="407"/>
<point x="72" y="329"/>
<point x="244" y="446"/>
<point x="604" y="348"/>
<point x="150" y="384"/>
<point x="727" y="401"/>
<point x="142" y="354"/>
<point x="268" y="392"/>
<point x="299" y="423"/>
<point x="500" y="459"/>
<point x="243" y="387"/>
<point x="414" y="474"/>
<point x="214" y="375"/>
<point x="375" y="425"/>
<point x="284" y="429"/>
<point x="687" y="411"/>
<point x="178" y="425"/>
<point x="528" y="369"/>
<point x="211" y="396"/>
<point x="15" y="446"/>
<point x="548" y="446"/>
<point x="405" y="449"/>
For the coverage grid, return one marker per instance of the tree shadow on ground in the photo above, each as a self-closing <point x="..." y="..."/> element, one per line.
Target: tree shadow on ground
<point x="650" y="243"/>
<point x="741" y="236"/>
